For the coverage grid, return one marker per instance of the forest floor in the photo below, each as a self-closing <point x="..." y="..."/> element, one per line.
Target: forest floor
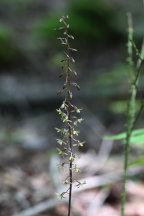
<point x="29" y="182"/>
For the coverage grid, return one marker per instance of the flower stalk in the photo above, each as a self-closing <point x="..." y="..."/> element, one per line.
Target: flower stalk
<point x="69" y="114"/>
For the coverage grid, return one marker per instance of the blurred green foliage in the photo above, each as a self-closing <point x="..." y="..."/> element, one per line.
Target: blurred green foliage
<point x="137" y="162"/>
<point x="13" y="1"/>
<point x="90" y="21"/>
<point x="137" y="137"/>
<point x="8" y="51"/>
<point x="118" y="74"/>
<point x="111" y="82"/>
<point x="137" y="140"/>
<point x="56" y="59"/>
<point x="120" y="106"/>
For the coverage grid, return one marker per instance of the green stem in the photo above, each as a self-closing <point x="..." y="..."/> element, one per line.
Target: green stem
<point x="125" y="175"/>
<point x="130" y="113"/>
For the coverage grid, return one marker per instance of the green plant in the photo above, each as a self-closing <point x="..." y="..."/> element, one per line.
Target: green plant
<point x="131" y="136"/>
<point x="132" y="116"/>
<point x="8" y="51"/>
<point x="86" y="20"/>
<point x="68" y="132"/>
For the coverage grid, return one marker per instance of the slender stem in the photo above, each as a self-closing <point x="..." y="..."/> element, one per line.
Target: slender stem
<point x="70" y="168"/>
<point x="125" y="175"/>
<point x="69" y="128"/>
<point x="70" y="146"/>
<point x="130" y="114"/>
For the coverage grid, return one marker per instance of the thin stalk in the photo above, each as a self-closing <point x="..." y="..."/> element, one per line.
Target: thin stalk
<point x="69" y="128"/>
<point x="130" y="114"/>
<point x="69" y="131"/>
<point x="132" y="117"/>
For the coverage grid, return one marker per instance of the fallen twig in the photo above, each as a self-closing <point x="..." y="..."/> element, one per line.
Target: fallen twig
<point x="91" y="182"/>
<point x="39" y="208"/>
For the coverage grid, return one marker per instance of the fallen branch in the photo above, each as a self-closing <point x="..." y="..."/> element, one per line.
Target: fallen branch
<point x="39" y="208"/>
<point x="104" y="179"/>
<point x="91" y="182"/>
